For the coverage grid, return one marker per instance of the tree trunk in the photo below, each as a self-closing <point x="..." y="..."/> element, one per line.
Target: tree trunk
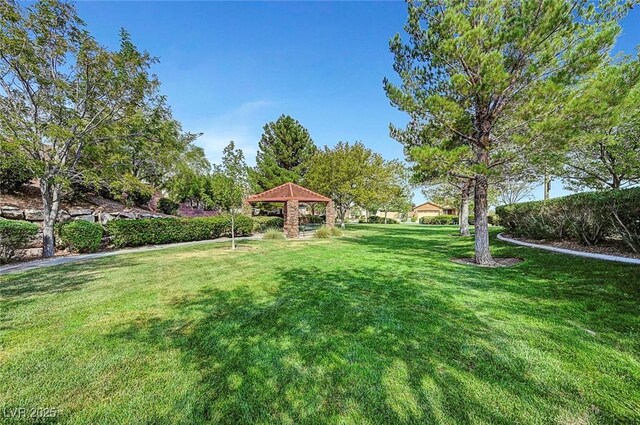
<point x="233" y="230"/>
<point x="463" y="216"/>
<point x="385" y="216"/>
<point x="50" y="204"/>
<point x="547" y="186"/>
<point x="481" y="210"/>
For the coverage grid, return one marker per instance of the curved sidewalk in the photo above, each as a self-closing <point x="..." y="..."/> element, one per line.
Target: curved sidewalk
<point x="36" y="264"/>
<point x="604" y="257"/>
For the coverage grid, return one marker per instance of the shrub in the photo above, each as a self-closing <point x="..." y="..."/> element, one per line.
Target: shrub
<point x="585" y="217"/>
<point x="440" y="219"/>
<point x="335" y="231"/>
<point x="414" y="219"/>
<point x="273" y="233"/>
<point x="152" y="231"/>
<point x="81" y="236"/>
<point x="315" y="219"/>
<point x="262" y="223"/>
<point x="14" y="235"/>
<point x="13" y="173"/>
<point x="374" y="219"/>
<point x="167" y="206"/>
<point x="322" y="233"/>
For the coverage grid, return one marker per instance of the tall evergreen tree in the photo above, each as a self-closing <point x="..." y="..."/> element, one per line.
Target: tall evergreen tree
<point x="465" y="67"/>
<point x="283" y="150"/>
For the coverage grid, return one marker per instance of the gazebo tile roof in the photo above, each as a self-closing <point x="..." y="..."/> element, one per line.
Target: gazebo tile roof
<point x="288" y="192"/>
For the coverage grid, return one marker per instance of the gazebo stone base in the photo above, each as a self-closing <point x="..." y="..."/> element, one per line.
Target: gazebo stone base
<point x="291" y="219"/>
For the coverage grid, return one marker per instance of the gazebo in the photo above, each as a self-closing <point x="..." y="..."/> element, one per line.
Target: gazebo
<point x="292" y="195"/>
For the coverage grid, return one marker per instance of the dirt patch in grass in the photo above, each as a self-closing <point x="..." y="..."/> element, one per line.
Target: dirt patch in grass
<point x="499" y="262"/>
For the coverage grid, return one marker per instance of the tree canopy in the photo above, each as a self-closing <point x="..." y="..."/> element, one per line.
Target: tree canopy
<point x="467" y="67"/>
<point x="283" y="152"/>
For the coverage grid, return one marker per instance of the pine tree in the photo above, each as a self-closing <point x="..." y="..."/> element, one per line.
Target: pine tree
<point x="283" y="150"/>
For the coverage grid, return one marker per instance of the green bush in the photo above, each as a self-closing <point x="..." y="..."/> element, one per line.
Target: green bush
<point x="167" y="206"/>
<point x="374" y="219"/>
<point x="81" y="236"/>
<point x="262" y="223"/>
<point x="335" y="231"/>
<point x="273" y="233"/>
<point x="314" y="219"/>
<point x="414" y="219"/>
<point x="322" y="233"/>
<point x="153" y="231"/>
<point x="588" y="218"/>
<point x="14" y="235"/>
<point x="443" y="219"/>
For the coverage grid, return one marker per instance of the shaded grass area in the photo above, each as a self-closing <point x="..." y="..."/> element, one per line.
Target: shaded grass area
<point x="377" y="326"/>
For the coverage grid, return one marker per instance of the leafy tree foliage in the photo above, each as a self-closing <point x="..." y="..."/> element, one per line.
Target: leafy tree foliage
<point x="14" y="167"/>
<point x="600" y="126"/>
<point x="352" y="174"/>
<point x="283" y="152"/>
<point x="230" y="184"/>
<point x="466" y="67"/>
<point x="61" y="92"/>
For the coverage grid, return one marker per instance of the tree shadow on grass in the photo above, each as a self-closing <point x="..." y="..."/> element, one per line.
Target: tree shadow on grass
<point x="556" y="287"/>
<point x="20" y="289"/>
<point x="350" y="345"/>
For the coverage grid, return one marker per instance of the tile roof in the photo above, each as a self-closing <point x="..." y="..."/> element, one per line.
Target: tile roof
<point x="288" y="192"/>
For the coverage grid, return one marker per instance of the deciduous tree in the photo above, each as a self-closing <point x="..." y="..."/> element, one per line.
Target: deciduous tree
<point x="61" y="91"/>
<point x="230" y="184"/>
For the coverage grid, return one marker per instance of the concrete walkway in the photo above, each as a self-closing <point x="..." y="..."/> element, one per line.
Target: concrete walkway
<point x="54" y="261"/>
<point x="605" y="257"/>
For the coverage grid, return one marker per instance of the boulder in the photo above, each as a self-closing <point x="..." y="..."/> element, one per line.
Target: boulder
<point x="63" y="216"/>
<point x="104" y="218"/>
<point x="87" y="217"/>
<point x="30" y="253"/>
<point x="12" y="213"/>
<point x="36" y="242"/>
<point x="34" y="215"/>
<point x="129" y="215"/>
<point x="73" y="212"/>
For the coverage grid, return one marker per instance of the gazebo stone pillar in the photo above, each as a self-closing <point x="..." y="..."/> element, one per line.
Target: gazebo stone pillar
<point x="291" y="218"/>
<point x="331" y="214"/>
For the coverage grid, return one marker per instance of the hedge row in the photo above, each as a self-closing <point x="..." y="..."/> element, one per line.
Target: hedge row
<point x="262" y="223"/>
<point x="81" y="235"/>
<point x="14" y="235"/>
<point x="445" y="219"/>
<point x="589" y="218"/>
<point x="155" y="231"/>
<point x="374" y="219"/>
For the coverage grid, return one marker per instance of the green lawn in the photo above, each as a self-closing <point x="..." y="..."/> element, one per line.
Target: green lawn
<point x="377" y="326"/>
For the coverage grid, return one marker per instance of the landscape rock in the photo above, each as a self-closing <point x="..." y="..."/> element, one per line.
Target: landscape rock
<point x="80" y="211"/>
<point x="87" y="217"/>
<point x="63" y="216"/>
<point x="34" y="215"/>
<point x="30" y="253"/>
<point x="129" y="215"/>
<point x="12" y="213"/>
<point x="104" y="218"/>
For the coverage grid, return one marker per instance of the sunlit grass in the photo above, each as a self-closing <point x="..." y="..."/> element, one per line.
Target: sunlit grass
<point x="377" y="326"/>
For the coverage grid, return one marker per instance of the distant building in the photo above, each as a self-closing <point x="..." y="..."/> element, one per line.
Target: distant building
<point x="429" y="209"/>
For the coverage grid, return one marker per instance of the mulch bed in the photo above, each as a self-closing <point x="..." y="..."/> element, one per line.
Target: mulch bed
<point x="607" y="248"/>
<point x="499" y="262"/>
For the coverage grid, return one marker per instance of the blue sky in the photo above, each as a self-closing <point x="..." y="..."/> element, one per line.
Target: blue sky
<point x="228" y="68"/>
